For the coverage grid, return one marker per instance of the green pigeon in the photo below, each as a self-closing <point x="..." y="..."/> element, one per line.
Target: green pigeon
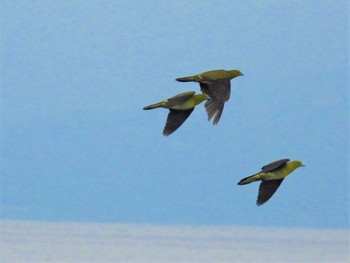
<point x="217" y="85"/>
<point x="180" y="108"/>
<point x="271" y="177"/>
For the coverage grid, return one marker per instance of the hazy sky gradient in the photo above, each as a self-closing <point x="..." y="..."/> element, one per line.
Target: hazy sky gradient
<point x="86" y="242"/>
<point x="77" y="146"/>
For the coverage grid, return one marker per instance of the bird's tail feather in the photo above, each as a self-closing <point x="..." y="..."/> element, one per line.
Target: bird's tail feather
<point x="153" y="106"/>
<point x="250" y="179"/>
<point x="186" y="79"/>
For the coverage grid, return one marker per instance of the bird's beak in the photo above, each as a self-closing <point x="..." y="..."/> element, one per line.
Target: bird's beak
<point x="242" y="74"/>
<point x="302" y="165"/>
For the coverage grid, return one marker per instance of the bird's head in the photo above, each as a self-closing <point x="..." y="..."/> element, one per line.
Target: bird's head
<point x="235" y="73"/>
<point x="201" y="97"/>
<point x="296" y="164"/>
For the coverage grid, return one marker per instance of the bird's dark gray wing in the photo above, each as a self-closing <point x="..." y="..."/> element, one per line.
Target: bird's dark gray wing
<point x="267" y="189"/>
<point x="274" y="165"/>
<point x="217" y="89"/>
<point x="214" y="109"/>
<point x="180" y="98"/>
<point x="175" y="119"/>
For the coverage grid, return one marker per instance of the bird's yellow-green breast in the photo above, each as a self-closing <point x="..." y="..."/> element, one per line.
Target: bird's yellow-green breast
<point x="282" y="172"/>
<point x="191" y="103"/>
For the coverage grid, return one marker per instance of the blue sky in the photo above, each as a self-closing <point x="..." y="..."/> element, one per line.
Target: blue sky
<point x="77" y="146"/>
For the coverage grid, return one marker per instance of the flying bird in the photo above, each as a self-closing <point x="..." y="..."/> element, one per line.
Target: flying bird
<point x="271" y="177"/>
<point x="180" y="108"/>
<point x="217" y="85"/>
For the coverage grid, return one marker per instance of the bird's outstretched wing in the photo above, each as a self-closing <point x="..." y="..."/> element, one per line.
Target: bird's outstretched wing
<point x="274" y="165"/>
<point x="217" y="89"/>
<point x="266" y="190"/>
<point x="180" y="98"/>
<point x="214" y="109"/>
<point x="175" y="119"/>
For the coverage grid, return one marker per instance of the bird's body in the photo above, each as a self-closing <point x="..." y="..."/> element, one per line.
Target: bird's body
<point x="212" y="75"/>
<point x="217" y="85"/>
<point x="183" y="101"/>
<point x="180" y="107"/>
<point x="271" y="177"/>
